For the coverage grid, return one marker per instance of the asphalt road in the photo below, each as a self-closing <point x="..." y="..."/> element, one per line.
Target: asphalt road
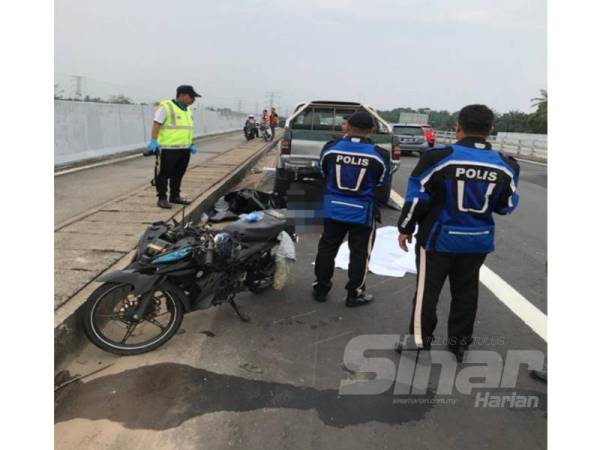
<point x="273" y="383"/>
<point x="76" y="192"/>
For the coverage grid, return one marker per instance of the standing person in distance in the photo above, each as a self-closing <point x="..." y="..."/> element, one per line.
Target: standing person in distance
<point x="274" y="122"/>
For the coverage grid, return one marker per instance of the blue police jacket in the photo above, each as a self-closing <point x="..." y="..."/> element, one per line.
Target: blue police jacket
<point x="353" y="167"/>
<point x="452" y="194"/>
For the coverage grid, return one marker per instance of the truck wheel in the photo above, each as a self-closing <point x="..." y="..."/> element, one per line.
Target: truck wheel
<point x="282" y="182"/>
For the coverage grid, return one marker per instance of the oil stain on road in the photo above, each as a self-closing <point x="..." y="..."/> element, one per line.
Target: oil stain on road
<point x="165" y="395"/>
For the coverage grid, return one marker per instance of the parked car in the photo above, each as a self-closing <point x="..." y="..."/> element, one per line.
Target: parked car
<point x="414" y="138"/>
<point x="312" y="124"/>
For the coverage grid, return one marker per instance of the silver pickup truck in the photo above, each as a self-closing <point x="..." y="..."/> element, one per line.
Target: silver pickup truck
<point x="312" y="124"/>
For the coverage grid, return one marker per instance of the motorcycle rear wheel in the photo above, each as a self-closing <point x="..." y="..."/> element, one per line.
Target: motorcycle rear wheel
<point x="104" y="308"/>
<point x="265" y="281"/>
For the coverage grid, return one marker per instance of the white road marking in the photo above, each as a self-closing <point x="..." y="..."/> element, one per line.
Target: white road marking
<point x="525" y="310"/>
<point x="396" y="197"/>
<point x="512" y="299"/>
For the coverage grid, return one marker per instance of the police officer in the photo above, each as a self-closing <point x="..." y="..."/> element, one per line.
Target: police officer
<point x="353" y="167"/>
<point x="451" y="195"/>
<point x="172" y="134"/>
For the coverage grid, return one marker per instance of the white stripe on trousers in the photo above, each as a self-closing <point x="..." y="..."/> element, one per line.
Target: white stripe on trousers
<point x="419" y="300"/>
<point x="360" y="289"/>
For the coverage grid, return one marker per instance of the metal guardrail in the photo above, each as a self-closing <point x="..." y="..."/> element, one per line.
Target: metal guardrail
<point x="536" y="149"/>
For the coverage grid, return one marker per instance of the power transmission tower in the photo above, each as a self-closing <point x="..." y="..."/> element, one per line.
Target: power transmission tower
<point x="271" y="96"/>
<point x="77" y="86"/>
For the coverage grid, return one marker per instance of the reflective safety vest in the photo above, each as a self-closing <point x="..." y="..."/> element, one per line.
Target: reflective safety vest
<point x="177" y="130"/>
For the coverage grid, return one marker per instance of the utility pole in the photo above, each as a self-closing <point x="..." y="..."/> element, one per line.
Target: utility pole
<point x="239" y="107"/>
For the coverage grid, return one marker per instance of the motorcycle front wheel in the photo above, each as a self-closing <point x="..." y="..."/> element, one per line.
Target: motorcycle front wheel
<point x="106" y="323"/>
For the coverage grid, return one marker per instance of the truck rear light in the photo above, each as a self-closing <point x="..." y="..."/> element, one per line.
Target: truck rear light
<point x="285" y="147"/>
<point x="396" y="152"/>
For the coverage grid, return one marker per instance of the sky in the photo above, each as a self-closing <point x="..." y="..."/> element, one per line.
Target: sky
<point x="438" y="54"/>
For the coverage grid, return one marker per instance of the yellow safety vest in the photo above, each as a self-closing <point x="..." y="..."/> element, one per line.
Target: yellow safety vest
<point x="177" y="130"/>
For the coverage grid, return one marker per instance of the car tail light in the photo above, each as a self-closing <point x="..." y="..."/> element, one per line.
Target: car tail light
<point x="396" y="152"/>
<point x="285" y="147"/>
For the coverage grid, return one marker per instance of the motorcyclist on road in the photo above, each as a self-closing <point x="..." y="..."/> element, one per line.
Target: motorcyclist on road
<point x="250" y="120"/>
<point x="251" y="125"/>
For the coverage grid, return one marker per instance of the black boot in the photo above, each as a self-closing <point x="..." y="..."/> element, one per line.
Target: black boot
<point x="540" y="375"/>
<point x="319" y="292"/>
<point x="459" y="351"/>
<point x="319" y="296"/>
<point x="163" y="203"/>
<point x="179" y="201"/>
<point x="358" y="300"/>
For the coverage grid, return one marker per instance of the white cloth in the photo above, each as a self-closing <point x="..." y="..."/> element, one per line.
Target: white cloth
<point x="387" y="258"/>
<point x="286" y="248"/>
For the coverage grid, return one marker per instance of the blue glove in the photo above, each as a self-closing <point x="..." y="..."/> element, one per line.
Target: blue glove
<point x="194" y="149"/>
<point x="153" y="146"/>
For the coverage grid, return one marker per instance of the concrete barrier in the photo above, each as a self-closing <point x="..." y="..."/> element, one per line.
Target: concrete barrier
<point x="88" y="130"/>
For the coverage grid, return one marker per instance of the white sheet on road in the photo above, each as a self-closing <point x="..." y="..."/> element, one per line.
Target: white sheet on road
<point x="386" y="257"/>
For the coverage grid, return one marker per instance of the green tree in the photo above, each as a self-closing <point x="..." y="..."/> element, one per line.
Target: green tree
<point x="538" y="121"/>
<point x="542" y="100"/>
<point x="516" y="121"/>
<point x="120" y="99"/>
<point x="58" y="91"/>
<point x="87" y="98"/>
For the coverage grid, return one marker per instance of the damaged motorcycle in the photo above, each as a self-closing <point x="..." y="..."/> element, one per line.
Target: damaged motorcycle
<point x="180" y="268"/>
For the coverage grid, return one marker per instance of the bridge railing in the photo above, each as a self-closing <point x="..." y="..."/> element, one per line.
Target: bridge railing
<point x="533" y="148"/>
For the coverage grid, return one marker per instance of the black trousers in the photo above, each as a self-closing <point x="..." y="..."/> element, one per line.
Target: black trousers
<point x="360" y="242"/>
<point x="433" y="268"/>
<point x="173" y="164"/>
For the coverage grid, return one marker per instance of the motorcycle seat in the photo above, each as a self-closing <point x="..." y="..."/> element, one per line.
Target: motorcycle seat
<point x="263" y="230"/>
